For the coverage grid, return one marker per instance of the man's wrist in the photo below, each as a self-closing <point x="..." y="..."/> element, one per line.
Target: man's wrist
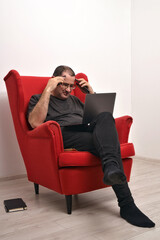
<point x="91" y="91"/>
<point x="48" y="91"/>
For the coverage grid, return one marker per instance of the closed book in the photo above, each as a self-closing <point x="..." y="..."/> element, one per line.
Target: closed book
<point x="13" y="205"/>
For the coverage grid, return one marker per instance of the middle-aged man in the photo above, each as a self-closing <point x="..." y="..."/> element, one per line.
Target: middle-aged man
<point x="99" y="137"/>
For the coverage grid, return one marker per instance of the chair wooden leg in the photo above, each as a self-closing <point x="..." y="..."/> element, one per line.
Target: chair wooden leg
<point x="36" y="188"/>
<point x="69" y="203"/>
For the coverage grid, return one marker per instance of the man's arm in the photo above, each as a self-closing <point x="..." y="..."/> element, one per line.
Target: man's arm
<point x="38" y="115"/>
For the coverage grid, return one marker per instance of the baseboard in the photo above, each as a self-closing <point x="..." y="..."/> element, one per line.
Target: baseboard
<point x="3" y="179"/>
<point x="138" y="157"/>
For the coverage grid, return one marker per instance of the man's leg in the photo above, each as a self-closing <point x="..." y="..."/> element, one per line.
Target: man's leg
<point x="79" y="138"/>
<point x="83" y="140"/>
<point x="107" y="144"/>
<point x="128" y="209"/>
<point x="95" y="140"/>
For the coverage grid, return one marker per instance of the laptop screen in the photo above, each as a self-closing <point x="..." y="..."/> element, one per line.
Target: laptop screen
<point x="96" y="104"/>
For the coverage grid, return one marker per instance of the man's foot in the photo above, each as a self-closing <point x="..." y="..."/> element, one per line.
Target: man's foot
<point x="133" y="215"/>
<point x="113" y="175"/>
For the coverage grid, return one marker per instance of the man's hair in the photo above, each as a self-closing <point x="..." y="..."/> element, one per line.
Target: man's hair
<point x="60" y="69"/>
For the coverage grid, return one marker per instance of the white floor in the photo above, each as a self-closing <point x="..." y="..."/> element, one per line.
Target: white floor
<point x="95" y="215"/>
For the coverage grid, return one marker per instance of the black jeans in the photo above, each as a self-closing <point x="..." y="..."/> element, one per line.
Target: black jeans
<point x="101" y="139"/>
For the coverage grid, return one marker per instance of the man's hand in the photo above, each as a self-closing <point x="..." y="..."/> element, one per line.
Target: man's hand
<point x="39" y="112"/>
<point x="83" y="83"/>
<point x="52" y="83"/>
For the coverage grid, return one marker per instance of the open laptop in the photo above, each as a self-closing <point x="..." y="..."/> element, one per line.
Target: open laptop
<point x="97" y="103"/>
<point x="94" y="105"/>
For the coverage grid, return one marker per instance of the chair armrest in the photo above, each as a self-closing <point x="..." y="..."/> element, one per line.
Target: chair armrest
<point x="44" y="144"/>
<point x="123" y="125"/>
<point x="47" y="130"/>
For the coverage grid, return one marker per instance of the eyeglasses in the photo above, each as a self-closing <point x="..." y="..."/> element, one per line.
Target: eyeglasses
<point x="66" y="85"/>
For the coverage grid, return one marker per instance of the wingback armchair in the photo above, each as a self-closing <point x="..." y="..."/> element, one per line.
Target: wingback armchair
<point x="67" y="172"/>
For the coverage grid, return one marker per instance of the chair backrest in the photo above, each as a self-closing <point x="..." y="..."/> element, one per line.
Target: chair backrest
<point x="77" y="91"/>
<point x="21" y="88"/>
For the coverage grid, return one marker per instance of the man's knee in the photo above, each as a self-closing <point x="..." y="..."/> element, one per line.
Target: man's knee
<point x="106" y="116"/>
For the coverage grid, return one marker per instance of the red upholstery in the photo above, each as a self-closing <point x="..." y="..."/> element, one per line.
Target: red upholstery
<point x="84" y="179"/>
<point x="77" y="91"/>
<point x="46" y="161"/>
<point x="86" y="159"/>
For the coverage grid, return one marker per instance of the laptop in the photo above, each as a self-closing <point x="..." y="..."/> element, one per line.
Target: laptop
<point x="96" y="104"/>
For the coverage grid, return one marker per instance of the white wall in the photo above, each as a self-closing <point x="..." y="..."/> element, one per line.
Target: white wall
<point x="146" y="77"/>
<point x="91" y="36"/>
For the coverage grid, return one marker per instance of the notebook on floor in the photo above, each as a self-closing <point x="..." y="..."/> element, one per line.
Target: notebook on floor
<point x="14" y="205"/>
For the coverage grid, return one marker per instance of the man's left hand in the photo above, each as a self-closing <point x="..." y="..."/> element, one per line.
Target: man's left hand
<point x="83" y="83"/>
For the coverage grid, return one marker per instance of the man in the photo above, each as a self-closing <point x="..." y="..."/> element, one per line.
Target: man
<point x="99" y="137"/>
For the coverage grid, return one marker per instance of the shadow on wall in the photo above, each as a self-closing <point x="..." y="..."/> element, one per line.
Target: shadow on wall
<point x="11" y="162"/>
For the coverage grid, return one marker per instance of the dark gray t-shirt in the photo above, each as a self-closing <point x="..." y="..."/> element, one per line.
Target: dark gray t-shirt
<point x="65" y="112"/>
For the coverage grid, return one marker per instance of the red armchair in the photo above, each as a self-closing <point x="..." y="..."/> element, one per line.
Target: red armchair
<point x="47" y="163"/>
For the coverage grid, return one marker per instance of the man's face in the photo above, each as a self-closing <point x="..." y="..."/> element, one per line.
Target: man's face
<point x="63" y="90"/>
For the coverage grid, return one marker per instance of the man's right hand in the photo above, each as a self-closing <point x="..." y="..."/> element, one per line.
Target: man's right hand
<point x="53" y="82"/>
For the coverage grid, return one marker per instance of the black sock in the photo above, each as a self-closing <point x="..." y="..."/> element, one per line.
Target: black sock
<point x="133" y="215"/>
<point x="128" y="210"/>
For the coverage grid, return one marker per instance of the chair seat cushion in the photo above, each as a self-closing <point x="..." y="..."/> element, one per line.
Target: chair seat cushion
<point x="73" y="158"/>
